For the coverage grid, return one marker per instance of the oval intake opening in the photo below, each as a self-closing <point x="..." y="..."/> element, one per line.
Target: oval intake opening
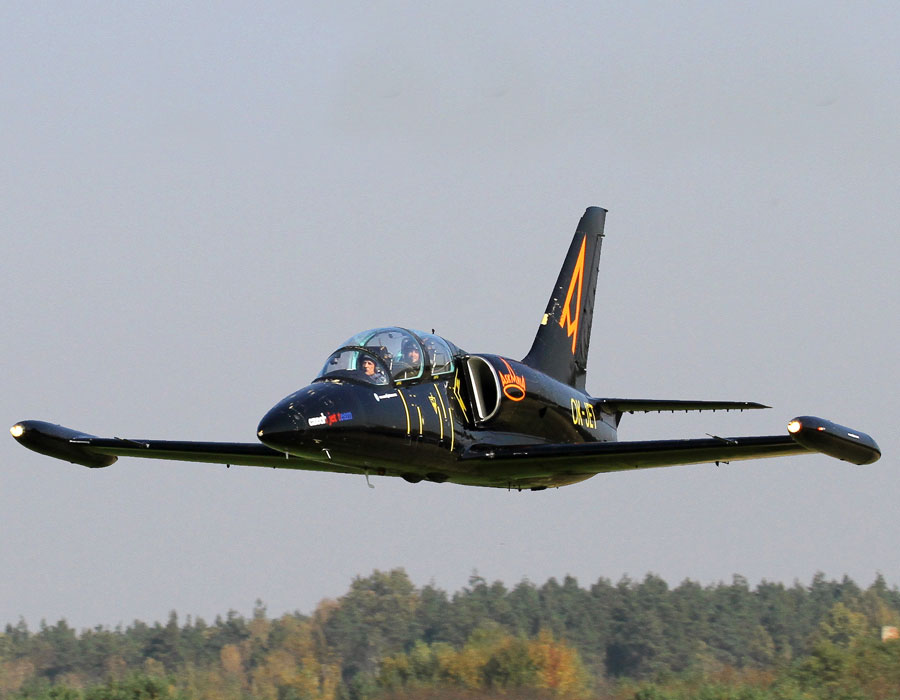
<point x="485" y="386"/>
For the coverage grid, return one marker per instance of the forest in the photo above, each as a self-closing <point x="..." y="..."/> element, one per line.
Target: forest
<point x="386" y="639"/>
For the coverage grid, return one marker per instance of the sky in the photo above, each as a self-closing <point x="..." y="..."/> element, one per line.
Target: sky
<point x="200" y="201"/>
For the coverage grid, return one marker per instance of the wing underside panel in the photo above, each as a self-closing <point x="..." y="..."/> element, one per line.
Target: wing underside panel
<point x="92" y="451"/>
<point x="232" y="453"/>
<point x="596" y="458"/>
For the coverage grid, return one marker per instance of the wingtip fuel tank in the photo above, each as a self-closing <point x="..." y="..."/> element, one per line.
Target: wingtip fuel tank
<point x="834" y="440"/>
<point x="56" y="441"/>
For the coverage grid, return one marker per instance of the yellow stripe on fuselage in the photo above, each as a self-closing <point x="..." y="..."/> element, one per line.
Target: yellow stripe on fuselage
<point x="405" y="408"/>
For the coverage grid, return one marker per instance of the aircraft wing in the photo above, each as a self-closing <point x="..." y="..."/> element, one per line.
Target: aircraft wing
<point x="92" y="451"/>
<point x="599" y="457"/>
<point x="805" y="434"/>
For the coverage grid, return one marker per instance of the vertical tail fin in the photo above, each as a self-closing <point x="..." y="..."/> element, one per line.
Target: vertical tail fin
<point x="560" y="347"/>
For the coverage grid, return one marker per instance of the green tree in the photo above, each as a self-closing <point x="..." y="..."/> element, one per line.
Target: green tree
<point x="433" y="615"/>
<point x="134" y="687"/>
<point x="525" y="609"/>
<point x="374" y="619"/>
<point x="686" y="625"/>
<point x="843" y="627"/>
<point x="733" y="619"/>
<point x="638" y="646"/>
<point x="164" y="643"/>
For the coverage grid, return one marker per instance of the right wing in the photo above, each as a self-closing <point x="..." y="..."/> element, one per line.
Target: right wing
<point x="599" y="457"/>
<point x="806" y="434"/>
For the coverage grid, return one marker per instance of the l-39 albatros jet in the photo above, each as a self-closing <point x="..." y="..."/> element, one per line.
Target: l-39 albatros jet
<point x="399" y="402"/>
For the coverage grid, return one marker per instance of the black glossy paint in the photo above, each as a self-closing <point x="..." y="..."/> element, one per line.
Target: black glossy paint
<point x="422" y="428"/>
<point x="398" y="402"/>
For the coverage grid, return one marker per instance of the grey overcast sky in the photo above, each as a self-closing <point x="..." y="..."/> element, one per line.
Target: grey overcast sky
<point x="199" y="201"/>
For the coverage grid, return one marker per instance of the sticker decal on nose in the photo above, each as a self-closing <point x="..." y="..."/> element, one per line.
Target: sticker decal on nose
<point x="329" y="419"/>
<point x="339" y="417"/>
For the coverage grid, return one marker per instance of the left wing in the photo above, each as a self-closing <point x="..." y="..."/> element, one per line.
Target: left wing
<point x="806" y="434"/>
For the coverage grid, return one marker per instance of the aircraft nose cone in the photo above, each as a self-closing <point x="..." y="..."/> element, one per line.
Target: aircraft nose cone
<point x="279" y="428"/>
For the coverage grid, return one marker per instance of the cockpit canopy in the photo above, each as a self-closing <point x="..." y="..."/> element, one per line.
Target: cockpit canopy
<point x="390" y="355"/>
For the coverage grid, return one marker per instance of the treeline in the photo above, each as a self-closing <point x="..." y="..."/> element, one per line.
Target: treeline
<point x="386" y="638"/>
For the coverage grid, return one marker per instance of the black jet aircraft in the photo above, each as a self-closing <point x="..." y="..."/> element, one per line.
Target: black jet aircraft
<point x="398" y="402"/>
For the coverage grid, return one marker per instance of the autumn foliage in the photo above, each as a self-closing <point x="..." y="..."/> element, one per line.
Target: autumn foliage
<point x="386" y="639"/>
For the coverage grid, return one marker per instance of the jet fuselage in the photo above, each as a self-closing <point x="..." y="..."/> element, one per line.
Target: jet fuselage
<point x="433" y="424"/>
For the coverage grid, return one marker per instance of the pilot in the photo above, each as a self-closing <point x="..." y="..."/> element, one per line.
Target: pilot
<point x="383" y="355"/>
<point x="436" y="356"/>
<point x="407" y="366"/>
<point x="370" y="370"/>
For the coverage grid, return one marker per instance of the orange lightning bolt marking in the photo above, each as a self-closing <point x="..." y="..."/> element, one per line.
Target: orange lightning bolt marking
<point x="571" y="324"/>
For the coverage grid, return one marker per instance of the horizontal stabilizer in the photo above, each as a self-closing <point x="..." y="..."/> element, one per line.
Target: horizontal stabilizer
<point x="651" y="405"/>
